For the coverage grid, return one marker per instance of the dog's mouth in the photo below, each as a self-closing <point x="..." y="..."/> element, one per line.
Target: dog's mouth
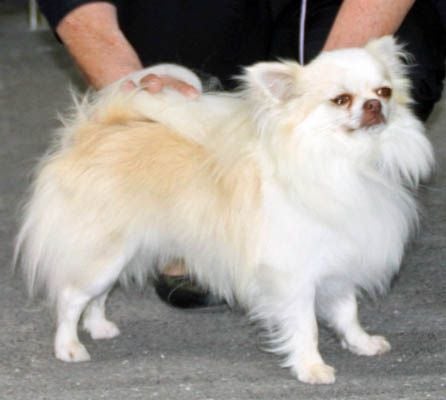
<point x="372" y="121"/>
<point x="368" y="126"/>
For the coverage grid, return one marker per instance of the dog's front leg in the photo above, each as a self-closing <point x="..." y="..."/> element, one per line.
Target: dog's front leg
<point x="340" y="311"/>
<point x="294" y="333"/>
<point x="304" y="357"/>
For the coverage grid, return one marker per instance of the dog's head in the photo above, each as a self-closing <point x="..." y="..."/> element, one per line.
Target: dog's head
<point x="345" y="104"/>
<point x="350" y="89"/>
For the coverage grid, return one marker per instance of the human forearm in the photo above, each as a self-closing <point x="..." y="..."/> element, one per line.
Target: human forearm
<point x="92" y="36"/>
<point x="360" y="20"/>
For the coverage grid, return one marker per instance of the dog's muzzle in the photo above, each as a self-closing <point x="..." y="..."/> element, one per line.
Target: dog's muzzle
<point x="372" y="113"/>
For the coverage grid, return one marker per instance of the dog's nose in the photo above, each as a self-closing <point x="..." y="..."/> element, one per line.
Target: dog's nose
<point x="372" y="106"/>
<point x="372" y="114"/>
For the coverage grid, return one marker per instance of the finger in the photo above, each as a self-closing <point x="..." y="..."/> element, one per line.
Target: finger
<point x="180" y="86"/>
<point x="153" y="83"/>
<point x="128" y="86"/>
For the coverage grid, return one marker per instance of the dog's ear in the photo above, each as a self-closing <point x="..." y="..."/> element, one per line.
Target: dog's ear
<point x="275" y="80"/>
<point x="386" y="45"/>
<point x="391" y="54"/>
<point x="387" y="49"/>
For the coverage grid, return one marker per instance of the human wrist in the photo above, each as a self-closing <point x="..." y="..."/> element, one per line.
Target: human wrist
<point x="358" y="21"/>
<point x="93" y="38"/>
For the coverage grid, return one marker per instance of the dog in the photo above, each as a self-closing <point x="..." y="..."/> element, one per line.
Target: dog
<point x="290" y="197"/>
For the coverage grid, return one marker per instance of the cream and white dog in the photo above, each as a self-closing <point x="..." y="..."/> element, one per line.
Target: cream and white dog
<point x="289" y="197"/>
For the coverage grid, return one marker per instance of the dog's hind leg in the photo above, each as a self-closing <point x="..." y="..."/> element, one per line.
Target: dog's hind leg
<point x="95" y="321"/>
<point x="70" y="305"/>
<point x="72" y="301"/>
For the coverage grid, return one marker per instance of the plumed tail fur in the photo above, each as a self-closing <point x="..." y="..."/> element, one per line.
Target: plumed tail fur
<point x="47" y="246"/>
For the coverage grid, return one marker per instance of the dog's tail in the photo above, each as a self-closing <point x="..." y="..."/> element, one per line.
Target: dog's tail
<point x="55" y="238"/>
<point x="59" y="234"/>
<point x="41" y="242"/>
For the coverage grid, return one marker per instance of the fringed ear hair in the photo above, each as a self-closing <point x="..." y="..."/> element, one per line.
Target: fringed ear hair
<point x="391" y="54"/>
<point x="274" y="80"/>
<point x="389" y="51"/>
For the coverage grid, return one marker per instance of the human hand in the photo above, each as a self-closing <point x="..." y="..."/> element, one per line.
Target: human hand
<point x="154" y="83"/>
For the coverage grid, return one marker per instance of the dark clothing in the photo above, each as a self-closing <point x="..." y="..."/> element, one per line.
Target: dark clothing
<point x="218" y="37"/>
<point x="440" y="5"/>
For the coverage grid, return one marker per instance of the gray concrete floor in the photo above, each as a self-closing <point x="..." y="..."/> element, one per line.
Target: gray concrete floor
<point x="168" y="354"/>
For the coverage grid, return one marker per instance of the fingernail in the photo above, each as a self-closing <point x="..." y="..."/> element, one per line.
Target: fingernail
<point x="154" y="85"/>
<point x="127" y="86"/>
<point x="192" y="93"/>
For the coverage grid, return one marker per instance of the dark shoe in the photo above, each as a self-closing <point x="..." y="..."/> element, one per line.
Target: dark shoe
<point x="181" y="292"/>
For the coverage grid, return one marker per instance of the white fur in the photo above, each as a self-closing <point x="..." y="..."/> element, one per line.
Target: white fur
<point x="294" y="208"/>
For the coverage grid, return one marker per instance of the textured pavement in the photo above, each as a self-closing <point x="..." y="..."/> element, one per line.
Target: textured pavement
<point x="165" y="353"/>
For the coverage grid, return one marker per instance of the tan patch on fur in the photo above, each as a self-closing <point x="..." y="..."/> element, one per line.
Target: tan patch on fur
<point x="140" y="171"/>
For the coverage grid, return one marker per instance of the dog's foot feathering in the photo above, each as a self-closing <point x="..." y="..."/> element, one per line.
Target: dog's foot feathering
<point x="73" y="351"/>
<point x="101" y="329"/>
<point x="319" y="373"/>
<point x="368" y="345"/>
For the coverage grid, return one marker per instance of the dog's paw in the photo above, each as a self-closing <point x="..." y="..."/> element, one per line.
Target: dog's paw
<point x="319" y="373"/>
<point x="101" y="329"/>
<point x="73" y="351"/>
<point x="368" y="346"/>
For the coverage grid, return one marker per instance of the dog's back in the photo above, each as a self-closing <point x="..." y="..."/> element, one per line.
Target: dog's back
<point x="118" y="179"/>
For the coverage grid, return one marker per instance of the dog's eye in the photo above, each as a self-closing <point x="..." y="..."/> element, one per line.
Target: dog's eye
<point x="384" y="92"/>
<point x="344" y="99"/>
